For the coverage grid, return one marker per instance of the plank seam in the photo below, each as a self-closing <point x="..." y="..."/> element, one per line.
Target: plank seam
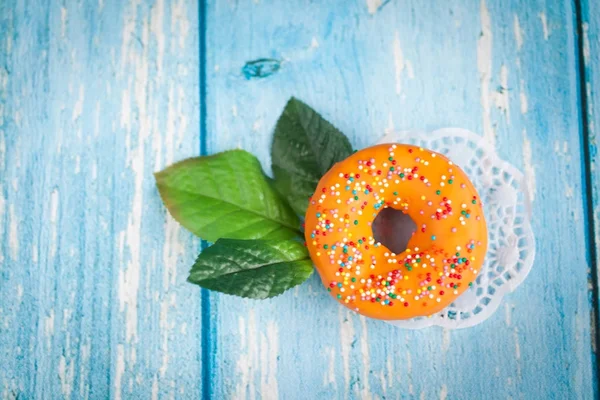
<point x="588" y="189"/>
<point x="205" y="320"/>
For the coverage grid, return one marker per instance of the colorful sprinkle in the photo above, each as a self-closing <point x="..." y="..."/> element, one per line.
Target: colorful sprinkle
<point x="365" y="271"/>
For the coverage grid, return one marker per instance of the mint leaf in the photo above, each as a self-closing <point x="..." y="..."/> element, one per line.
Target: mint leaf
<point x="305" y="146"/>
<point x="226" y="195"/>
<point x="252" y="268"/>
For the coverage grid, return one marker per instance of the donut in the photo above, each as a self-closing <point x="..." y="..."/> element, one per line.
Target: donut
<point x="442" y="257"/>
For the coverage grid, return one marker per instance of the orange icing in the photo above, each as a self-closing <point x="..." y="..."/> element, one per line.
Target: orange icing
<point x="442" y="258"/>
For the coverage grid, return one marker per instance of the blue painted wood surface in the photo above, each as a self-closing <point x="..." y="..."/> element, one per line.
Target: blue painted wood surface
<point x="94" y="97"/>
<point x="589" y="43"/>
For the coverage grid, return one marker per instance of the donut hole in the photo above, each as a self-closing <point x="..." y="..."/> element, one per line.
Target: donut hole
<point x="393" y="229"/>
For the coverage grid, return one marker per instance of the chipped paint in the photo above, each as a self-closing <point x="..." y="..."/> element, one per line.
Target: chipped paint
<point x="269" y="350"/>
<point x="523" y="97"/>
<point x="63" y="22"/>
<point x="128" y="284"/>
<point x="484" y="66"/>
<point x="411" y="390"/>
<point x="54" y="204"/>
<point x="346" y="338"/>
<point x="364" y="351"/>
<point x="329" y="376"/>
<point x="314" y="43"/>
<point x="78" y="106"/>
<point x="398" y="62"/>
<point x="84" y="361"/>
<point x="66" y="374"/>
<point x="49" y="326"/>
<point x="163" y="322"/>
<point x="517" y="345"/>
<point x="128" y="35"/>
<point x="4" y="73"/>
<point x="444" y="392"/>
<point x="518" y="32"/>
<point x="34" y="253"/>
<point x="100" y="224"/>
<point x="97" y="119"/>
<point x="2" y="150"/>
<point x="390" y="125"/>
<point x="383" y="383"/>
<point x="18" y="118"/>
<point x="586" y="46"/>
<point x="446" y="340"/>
<point x="154" y="393"/>
<point x="257" y="125"/>
<point x="173" y="247"/>
<point x="76" y="224"/>
<point x="373" y="5"/>
<point x="501" y="95"/>
<point x="545" y="28"/>
<point x="528" y="166"/>
<point x="591" y="124"/>
<point x="569" y="191"/>
<point x="13" y="232"/>
<point x="119" y="371"/>
<point x="248" y="359"/>
<point x="179" y="19"/>
<point x="157" y="16"/>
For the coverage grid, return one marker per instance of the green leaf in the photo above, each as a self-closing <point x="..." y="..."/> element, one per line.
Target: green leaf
<point x="252" y="268"/>
<point x="305" y="146"/>
<point x="226" y="195"/>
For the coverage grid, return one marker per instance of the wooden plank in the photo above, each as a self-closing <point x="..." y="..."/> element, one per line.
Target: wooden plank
<point x="95" y="97"/>
<point x="590" y="63"/>
<point x="505" y="69"/>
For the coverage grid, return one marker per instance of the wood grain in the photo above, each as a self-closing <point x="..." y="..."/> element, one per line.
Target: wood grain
<point x="506" y="70"/>
<point x="96" y="96"/>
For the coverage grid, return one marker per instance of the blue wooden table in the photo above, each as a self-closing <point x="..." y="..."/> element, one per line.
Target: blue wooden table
<point x="95" y="96"/>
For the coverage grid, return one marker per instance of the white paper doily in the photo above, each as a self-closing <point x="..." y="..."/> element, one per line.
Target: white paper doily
<point x="507" y="208"/>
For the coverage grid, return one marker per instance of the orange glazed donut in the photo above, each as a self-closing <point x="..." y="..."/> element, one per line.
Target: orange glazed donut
<point x="442" y="257"/>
